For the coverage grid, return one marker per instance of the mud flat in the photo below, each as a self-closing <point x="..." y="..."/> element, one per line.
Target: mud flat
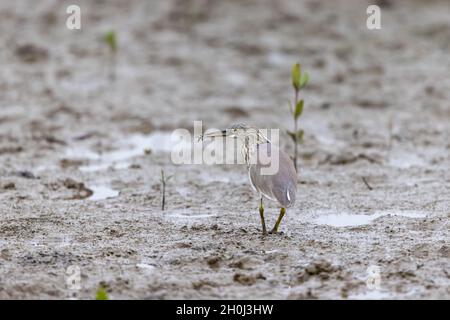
<point x="80" y="155"/>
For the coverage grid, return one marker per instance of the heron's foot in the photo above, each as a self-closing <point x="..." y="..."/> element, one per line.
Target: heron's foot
<point x="276" y="232"/>
<point x="277" y="224"/>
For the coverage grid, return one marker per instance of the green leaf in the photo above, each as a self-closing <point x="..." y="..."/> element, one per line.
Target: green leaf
<point x="291" y="134"/>
<point x="296" y="136"/>
<point x="101" y="294"/>
<point x="298" y="109"/>
<point x="304" y="80"/>
<point x="296" y="75"/>
<point x="111" y="40"/>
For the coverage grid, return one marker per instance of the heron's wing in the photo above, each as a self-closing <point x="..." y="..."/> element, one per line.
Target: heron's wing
<point x="282" y="184"/>
<point x="260" y="183"/>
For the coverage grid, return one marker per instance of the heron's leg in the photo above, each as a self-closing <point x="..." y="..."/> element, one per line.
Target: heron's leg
<point x="261" y="213"/>
<point x="277" y="224"/>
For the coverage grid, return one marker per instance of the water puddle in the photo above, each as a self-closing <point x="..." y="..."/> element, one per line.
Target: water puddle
<point x="131" y="147"/>
<point x="354" y="220"/>
<point x="187" y="215"/>
<point x="102" y="192"/>
<point x="192" y="216"/>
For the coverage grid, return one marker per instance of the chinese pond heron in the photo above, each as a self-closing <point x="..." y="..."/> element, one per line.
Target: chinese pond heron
<point x="260" y="155"/>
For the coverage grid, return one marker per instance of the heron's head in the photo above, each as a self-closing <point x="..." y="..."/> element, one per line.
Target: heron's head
<point x="242" y="131"/>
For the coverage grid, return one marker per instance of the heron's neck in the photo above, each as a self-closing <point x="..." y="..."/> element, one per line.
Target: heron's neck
<point x="249" y="148"/>
<point x="260" y="138"/>
<point x="251" y="142"/>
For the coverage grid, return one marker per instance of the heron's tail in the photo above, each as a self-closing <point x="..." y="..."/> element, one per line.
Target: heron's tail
<point x="290" y="195"/>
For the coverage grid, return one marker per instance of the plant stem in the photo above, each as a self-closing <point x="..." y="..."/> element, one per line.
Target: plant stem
<point x="112" y="67"/>
<point x="163" y="182"/>
<point x="163" y="195"/>
<point x="295" y="131"/>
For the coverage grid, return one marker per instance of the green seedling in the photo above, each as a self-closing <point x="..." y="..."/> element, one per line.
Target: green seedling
<point x="101" y="294"/>
<point x="110" y="39"/>
<point x="299" y="81"/>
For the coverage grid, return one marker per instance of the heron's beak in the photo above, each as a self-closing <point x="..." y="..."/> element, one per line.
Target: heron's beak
<point x="214" y="134"/>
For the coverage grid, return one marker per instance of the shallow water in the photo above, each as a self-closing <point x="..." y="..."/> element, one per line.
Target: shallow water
<point x="128" y="148"/>
<point x="353" y="220"/>
<point x="188" y="215"/>
<point x="102" y="192"/>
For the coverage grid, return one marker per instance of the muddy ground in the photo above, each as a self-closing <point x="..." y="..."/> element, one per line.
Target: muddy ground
<point x="81" y="153"/>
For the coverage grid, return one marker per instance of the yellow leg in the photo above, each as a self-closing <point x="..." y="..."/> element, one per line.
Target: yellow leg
<point x="277" y="224"/>
<point x="261" y="213"/>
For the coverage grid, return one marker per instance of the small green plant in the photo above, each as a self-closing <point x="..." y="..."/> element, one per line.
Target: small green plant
<point x="299" y="81"/>
<point x="110" y="39"/>
<point x="163" y="180"/>
<point x="101" y="294"/>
